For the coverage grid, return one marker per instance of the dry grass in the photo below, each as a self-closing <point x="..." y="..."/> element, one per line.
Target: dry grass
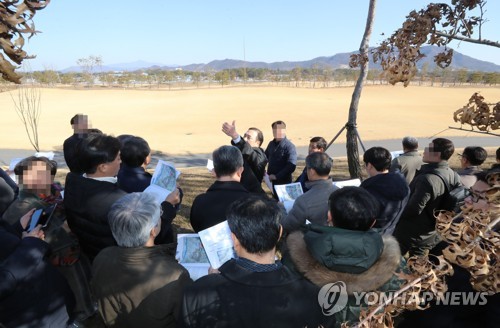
<point x="189" y="121"/>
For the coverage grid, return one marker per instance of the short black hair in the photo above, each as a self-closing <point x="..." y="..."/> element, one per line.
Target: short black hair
<point x="475" y="155"/>
<point x="353" y="208"/>
<point x="320" y="142"/>
<point x="278" y="123"/>
<point x="260" y="135"/>
<point x="97" y="149"/>
<point x="498" y="153"/>
<point x="379" y="157"/>
<point x="77" y="118"/>
<point x="319" y="162"/>
<point x="27" y="162"/>
<point x="227" y="160"/>
<point x="443" y="146"/>
<point x="255" y="222"/>
<point x="134" y="151"/>
<point x="410" y="143"/>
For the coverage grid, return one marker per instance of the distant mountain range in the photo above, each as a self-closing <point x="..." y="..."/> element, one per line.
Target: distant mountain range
<point x="336" y="61"/>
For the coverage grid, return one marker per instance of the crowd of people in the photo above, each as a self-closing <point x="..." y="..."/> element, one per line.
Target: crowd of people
<point x="107" y="249"/>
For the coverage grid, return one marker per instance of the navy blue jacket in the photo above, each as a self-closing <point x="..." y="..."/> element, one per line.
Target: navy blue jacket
<point x="282" y="157"/>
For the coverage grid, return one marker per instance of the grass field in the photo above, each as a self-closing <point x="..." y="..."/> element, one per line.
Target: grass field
<point x="189" y="121"/>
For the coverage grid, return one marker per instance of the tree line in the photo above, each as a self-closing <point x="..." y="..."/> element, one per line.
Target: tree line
<point x="314" y="77"/>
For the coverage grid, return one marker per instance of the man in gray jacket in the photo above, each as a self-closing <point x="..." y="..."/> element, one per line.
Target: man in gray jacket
<point x="313" y="205"/>
<point x="410" y="161"/>
<point x="416" y="230"/>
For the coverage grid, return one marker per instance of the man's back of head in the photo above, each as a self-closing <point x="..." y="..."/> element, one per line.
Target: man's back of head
<point x="410" y="143"/>
<point x="132" y="219"/>
<point x="227" y="161"/>
<point x="255" y="223"/>
<point x="320" y="162"/>
<point x="379" y="157"/>
<point x="135" y="151"/>
<point x="98" y="149"/>
<point x="352" y="208"/>
<point x="474" y="155"/>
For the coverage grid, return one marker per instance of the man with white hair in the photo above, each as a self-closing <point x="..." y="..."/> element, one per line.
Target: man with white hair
<point x="137" y="283"/>
<point x="410" y="161"/>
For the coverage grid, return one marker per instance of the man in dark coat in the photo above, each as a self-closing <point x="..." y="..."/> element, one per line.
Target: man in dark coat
<point x="135" y="156"/>
<point x="416" y="230"/>
<point x="71" y="146"/>
<point x="32" y="292"/>
<point x="88" y="197"/>
<point x="253" y="290"/>
<point x="282" y="156"/>
<point x="254" y="158"/>
<point x="389" y="188"/>
<point x="7" y="192"/>
<point x="209" y="208"/>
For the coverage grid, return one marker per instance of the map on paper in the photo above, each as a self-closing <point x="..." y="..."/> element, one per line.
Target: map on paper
<point x="164" y="180"/>
<point x="218" y="244"/>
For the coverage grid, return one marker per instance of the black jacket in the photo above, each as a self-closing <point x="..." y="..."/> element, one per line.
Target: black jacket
<point x="209" y="209"/>
<point x="87" y="203"/>
<point x="392" y="192"/>
<point x="282" y="157"/>
<point x="71" y="148"/>
<point x="32" y="292"/>
<point x="238" y="297"/>
<point x="254" y="156"/>
<point x="133" y="179"/>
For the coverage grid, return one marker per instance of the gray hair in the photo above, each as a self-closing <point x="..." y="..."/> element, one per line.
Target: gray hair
<point x="132" y="217"/>
<point x="227" y="160"/>
<point x="410" y="143"/>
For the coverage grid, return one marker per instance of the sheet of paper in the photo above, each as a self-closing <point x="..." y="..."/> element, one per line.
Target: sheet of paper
<point x="345" y="183"/>
<point x="288" y="192"/>
<point x="191" y="255"/>
<point x="164" y="181"/>
<point x="165" y="176"/>
<point x="218" y="244"/>
<point x="210" y="165"/>
<point x="396" y="153"/>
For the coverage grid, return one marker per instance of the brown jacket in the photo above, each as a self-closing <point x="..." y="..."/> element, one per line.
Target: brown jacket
<point x="138" y="287"/>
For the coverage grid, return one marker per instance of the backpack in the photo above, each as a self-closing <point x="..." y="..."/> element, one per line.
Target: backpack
<point x="454" y="196"/>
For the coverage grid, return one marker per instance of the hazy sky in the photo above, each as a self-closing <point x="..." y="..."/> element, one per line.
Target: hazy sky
<point x="186" y="32"/>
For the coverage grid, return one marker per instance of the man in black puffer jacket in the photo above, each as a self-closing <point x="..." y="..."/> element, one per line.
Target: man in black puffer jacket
<point x="389" y="188"/>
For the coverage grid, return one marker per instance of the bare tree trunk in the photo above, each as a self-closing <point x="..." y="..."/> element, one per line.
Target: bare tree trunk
<point x="352" y="142"/>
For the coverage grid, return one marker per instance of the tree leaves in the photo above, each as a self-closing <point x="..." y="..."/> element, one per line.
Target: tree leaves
<point x="15" y="21"/>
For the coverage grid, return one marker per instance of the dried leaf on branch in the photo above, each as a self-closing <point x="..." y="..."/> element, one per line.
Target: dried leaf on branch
<point x="477" y="113"/>
<point x="16" y="23"/>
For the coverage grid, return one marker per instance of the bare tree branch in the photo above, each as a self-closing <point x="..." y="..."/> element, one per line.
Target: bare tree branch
<point x="470" y="40"/>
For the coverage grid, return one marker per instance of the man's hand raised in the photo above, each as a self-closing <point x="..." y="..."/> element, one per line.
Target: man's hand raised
<point x="230" y="129"/>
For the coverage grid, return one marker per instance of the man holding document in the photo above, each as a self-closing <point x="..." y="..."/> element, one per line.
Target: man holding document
<point x="254" y="289"/>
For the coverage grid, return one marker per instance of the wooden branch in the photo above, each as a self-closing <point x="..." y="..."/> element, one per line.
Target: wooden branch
<point x="461" y="38"/>
<point x="390" y="299"/>
<point x="480" y="132"/>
